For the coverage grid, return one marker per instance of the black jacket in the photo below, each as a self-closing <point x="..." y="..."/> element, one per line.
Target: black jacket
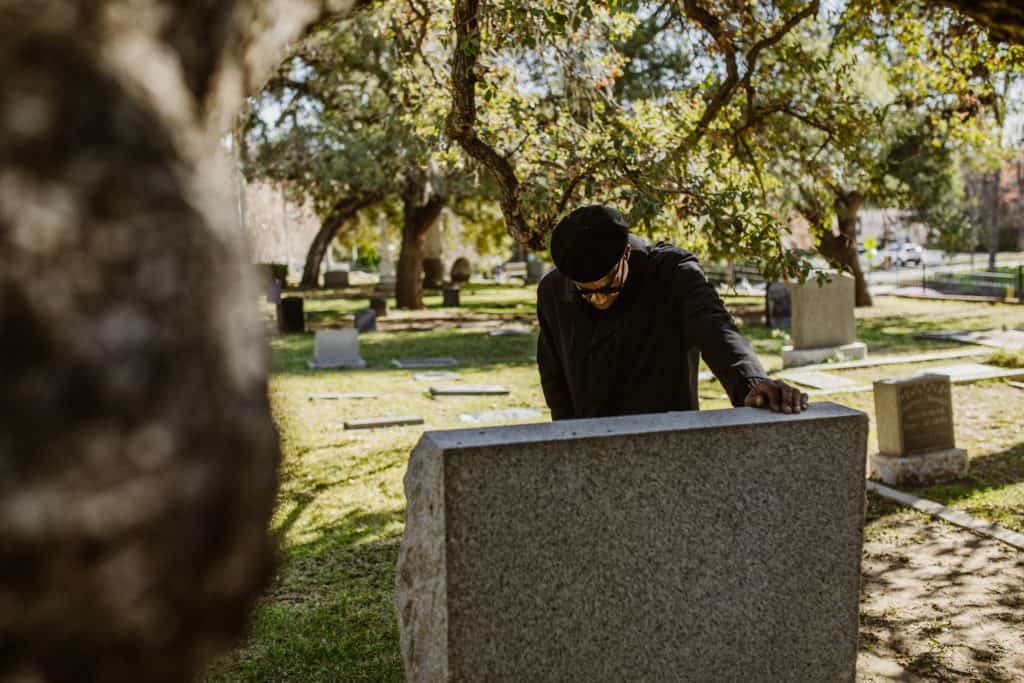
<point x="641" y="354"/>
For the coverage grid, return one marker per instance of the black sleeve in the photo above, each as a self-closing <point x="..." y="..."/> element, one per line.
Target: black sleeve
<point x="552" y="375"/>
<point x="709" y="327"/>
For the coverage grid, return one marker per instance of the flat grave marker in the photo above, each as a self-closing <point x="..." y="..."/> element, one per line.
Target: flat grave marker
<point x="331" y="396"/>
<point x="821" y="380"/>
<point x="974" y="372"/>
<point x="436" y="376"/>
<point x="506" y="415"/>
<point x="414" y="363"/>
<point x="380" y="422"/>
<point x="468" y="390"/>
<point x="510" y="331"/>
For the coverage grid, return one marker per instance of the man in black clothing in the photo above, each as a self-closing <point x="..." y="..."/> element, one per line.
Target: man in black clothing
<point x="622" y="323"/>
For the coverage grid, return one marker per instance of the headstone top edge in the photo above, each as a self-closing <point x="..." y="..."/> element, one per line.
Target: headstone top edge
<point x="911" y="379"/>
<point x="626" y="425"/>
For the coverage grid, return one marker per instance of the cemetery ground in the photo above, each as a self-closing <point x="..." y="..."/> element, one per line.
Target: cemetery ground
<point x="938" y="603"/>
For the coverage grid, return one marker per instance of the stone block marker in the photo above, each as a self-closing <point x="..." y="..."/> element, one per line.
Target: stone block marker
<point x="291" y="316"/>
<point x="914" y="418"/>
<point x="468" y="390"/>
<point x="365" y="320"/>
<point x="378" y="422"/>
<point x="700" y="546"/>
<point x="823" y="326"/>
<point x="336" y="278"/>
<point x="778" y="307"/>
<point x="337" y="349"/>
<point x="450" y="297"/>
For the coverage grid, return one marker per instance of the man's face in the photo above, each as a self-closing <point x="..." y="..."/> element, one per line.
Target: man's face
<point x="601" y="294"/>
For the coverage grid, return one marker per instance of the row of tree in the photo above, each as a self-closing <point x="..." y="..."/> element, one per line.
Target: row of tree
<point x="714" y="124"/>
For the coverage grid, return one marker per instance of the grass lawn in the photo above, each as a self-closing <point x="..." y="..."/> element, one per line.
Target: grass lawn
<point x="340" y="513"/>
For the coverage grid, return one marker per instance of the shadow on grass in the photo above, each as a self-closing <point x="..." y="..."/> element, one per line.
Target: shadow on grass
<point x="329" y="615"/>
<point x="909" y="592"/>
<point x="987" y="473"/>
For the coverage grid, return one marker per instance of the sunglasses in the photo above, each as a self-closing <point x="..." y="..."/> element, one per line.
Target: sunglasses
<point x="588" y="293"/>
<point x="607" y="289"/>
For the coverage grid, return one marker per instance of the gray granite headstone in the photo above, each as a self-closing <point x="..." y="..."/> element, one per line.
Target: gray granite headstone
<point x="651" y="547"/>
<point x="337" y="349"/>
<point x="778" y="305"/>
<point x="274" y="290"/>
<point x="823" y="313"/>
<point x="451" y="297"/>
<point x="365" y="320"/>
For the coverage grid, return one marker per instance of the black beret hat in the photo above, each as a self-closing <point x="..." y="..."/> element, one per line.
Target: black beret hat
<point x="587" y="243"/>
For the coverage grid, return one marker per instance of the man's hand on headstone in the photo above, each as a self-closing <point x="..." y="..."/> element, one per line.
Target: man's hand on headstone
<point x="777" y="395"/>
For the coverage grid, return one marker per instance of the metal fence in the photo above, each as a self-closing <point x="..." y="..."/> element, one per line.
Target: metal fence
<point x="1002" y="286"/>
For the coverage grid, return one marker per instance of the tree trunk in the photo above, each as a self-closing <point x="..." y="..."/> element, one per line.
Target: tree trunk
<point x="138" y="452"/>
<point x="993" y="219"/>
<point x="840" y="250"/>
<point x="417" y="220"/>
<point x="343" y="210"/>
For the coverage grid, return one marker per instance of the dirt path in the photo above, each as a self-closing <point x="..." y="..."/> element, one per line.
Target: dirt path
<point x="940" y="604"/>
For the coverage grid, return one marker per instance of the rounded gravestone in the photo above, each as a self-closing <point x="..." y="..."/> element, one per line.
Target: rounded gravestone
<point x="461" y="270"/>
<point x="433" y="272"/>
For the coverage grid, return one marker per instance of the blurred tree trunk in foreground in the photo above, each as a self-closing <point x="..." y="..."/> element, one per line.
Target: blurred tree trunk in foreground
<point x="138" y="460"/>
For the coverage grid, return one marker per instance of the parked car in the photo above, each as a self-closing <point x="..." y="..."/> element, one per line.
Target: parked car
<point x="905" y="253"/>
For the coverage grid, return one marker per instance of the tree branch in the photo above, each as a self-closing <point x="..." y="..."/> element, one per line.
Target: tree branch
<point x="460" y="124"/>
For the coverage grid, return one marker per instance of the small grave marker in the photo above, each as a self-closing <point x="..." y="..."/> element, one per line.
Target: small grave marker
<point x="274" y="289"/>
<point x="821" y="380"/>
<point x="468" y="390"/>
<point x="365" y="320"/>
<point x="379" y="305"/>
<point x="336" y="278"/>
<point x="451" y="297"/>
<point x="412" y="363"/>
<point x="778" y="305"/>
<point x="915" y="431"/>
<point x="378" y="422"/>
<point x="510" y="332"/>
<point x="337" y="349"/>
<point x="436" y="376"/>
<point x="291" y="316"/>
<point x="974" y="372"/>
<point x="506" y="415"/>
<point x="328" y="396"/>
